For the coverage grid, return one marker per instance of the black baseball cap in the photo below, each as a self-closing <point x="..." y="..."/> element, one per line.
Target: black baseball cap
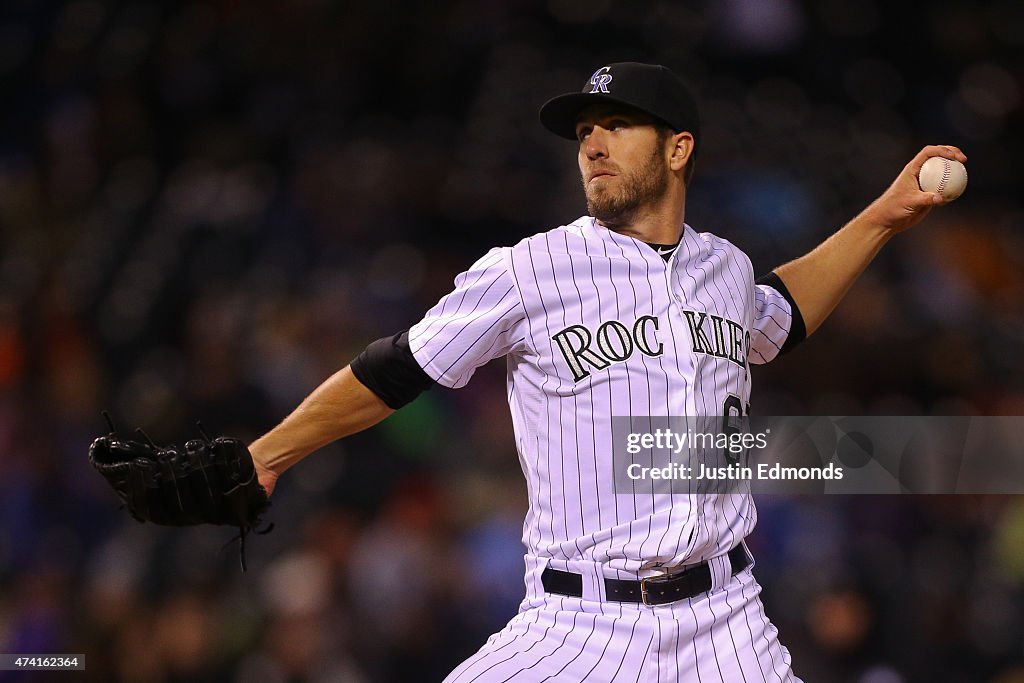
<point x="651" y="88"/>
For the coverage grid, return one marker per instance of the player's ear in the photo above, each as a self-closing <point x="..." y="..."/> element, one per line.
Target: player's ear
<point x="682" y="149"/>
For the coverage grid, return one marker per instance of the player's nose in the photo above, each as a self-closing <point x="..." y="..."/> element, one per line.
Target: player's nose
<point x="595" y="144"/>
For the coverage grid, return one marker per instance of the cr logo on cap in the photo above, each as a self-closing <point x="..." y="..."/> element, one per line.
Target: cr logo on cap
<point x="601" y="79"/>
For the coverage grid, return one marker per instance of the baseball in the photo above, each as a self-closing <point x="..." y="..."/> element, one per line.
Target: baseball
<point x="945" y="176"/>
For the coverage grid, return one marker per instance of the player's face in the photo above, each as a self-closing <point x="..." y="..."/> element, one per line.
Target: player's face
<point x="622" y="163"/>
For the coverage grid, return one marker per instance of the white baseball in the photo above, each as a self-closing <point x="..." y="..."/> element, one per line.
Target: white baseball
<point x="945" y="176"/>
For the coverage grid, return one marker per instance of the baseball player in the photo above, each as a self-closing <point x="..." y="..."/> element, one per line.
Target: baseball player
<point x="627" y="311"/>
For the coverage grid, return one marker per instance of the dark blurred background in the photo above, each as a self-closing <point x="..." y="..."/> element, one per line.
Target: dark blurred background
<point x="208" y="207"/>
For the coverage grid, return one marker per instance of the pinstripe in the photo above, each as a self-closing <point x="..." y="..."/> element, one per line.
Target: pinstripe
<point x="531" y="538"/>
<point x="494" y="344"/>
<point x="675" y="649"/>
<point x="484" y="652"/>
<point x="776" y="304"/>
<point x="628" y="388"/>
<point x="682" y="253"/>
<point x="632" y="634"/>
<point x="736" y="292"/>
<point x="650" y="645"/>
<point x="772" y="304"/>
<point x="576" y="431"/>
<point x="713" y="262"/>
<point x="463" y="285"/>
<point x="766" y="298"/>
<point x="547" y="454"/>
<point x="556" y="648"/>
<point x="611" y="395"/>
<point x="469" y="347"/>
<point x="750" y="631"/>
<point x="693" y="640"/>
<point x="466" y="316"/>
<point x="538" y="658"/>
<point x="670" y="267"/>
<point x="769" y="340"/>
<point x="593" y="428"/>
<point x="467" y="666"/>
<point x="559" y="422"/>
<point x="657" y="656"/>
<point x="699" y="505"/>
<point x="732" y="636"/>
<point x="604" y="651"/>
<point x="583" y="647"/>
<point x="647" y="375"/>
<point x="764" y="634"/>
<point x="711" y="639"/>
<point x="514" y="301"/>
<point x="774" y="321"/>
<point x="496" y="341"/>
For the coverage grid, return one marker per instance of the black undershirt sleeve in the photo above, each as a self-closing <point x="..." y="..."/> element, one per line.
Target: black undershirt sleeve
<point x="387" y="368"/>
<point x="797" y="329"/>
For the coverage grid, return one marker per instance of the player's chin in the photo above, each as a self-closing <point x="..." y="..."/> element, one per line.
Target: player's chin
<point x="608" y="213"/>
<point x="599" y="194"/>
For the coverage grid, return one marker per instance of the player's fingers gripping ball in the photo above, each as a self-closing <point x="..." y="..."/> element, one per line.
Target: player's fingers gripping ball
<point x="209" y="481"/>
<point x="947" y="177"/>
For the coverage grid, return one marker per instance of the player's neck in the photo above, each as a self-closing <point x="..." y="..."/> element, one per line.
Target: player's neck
<point x="659" y="223"/>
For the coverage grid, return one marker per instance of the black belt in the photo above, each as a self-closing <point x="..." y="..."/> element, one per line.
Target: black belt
<point x="654" y="590"/>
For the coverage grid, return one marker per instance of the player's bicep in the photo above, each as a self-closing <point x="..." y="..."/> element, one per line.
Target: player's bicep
<point x="778" y="325"/>
<point x="481" y="319"/>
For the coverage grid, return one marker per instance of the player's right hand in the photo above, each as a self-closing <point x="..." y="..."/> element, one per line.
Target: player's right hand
<point x="904" y="204"/>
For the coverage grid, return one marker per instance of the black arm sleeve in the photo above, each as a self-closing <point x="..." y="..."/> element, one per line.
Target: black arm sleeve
<point x="388" y="369"/>
<point x="797" y="329"/>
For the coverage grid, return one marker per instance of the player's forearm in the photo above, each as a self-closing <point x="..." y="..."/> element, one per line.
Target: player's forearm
<point x="340" y="406"/>
<point x="819" y="279"/>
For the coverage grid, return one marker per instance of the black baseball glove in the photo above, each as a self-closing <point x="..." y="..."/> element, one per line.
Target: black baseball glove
<point x="210" y="481"/>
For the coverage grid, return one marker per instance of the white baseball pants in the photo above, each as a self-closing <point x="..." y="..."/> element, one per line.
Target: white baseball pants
<point x="722" y="636"/>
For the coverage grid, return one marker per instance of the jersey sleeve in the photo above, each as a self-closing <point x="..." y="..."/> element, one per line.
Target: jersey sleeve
<point x="481" y="319"/>
<point x="778" y="325"/>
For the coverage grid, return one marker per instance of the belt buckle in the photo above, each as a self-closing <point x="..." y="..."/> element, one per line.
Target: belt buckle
<point x="643" y="588"/>
<point x="643" y="592"/>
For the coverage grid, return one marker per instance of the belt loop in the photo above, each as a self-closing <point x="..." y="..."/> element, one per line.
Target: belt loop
<point x="721" y="571"/>
<point x="746" y="551"/>
<point x="600" y="594"/>
<point x="596" y="585"/>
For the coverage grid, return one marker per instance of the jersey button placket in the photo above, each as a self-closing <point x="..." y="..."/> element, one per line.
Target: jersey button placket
<point x="675" y="293"/>
<point x="677" y="303"/>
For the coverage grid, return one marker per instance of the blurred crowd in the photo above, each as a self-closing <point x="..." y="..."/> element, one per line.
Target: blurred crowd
<point x="209" y="207"/>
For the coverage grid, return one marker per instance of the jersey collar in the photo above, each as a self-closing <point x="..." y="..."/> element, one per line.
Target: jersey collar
<point x="591" y="229"/>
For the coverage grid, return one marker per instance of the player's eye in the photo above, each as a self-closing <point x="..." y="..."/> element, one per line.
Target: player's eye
<point x="582" y="133"/>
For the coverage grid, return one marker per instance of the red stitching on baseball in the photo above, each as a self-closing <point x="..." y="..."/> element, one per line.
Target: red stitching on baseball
<point x="946" y="169"/>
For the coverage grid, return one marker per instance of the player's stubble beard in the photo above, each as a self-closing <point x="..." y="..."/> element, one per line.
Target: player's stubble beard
<point x="642" y="186"/>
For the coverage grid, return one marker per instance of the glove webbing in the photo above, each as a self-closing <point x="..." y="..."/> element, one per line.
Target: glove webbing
<point x="243" y="530"/>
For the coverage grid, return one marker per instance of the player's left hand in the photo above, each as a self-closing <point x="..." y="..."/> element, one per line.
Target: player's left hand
<point x="904" y="203"/>
<point x="266" y="476"/>
<point x="209" y="481"/>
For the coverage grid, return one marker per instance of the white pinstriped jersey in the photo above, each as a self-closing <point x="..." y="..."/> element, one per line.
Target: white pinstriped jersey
<point x="596" y="324"/>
